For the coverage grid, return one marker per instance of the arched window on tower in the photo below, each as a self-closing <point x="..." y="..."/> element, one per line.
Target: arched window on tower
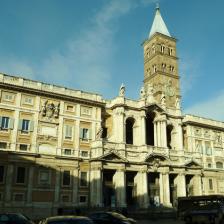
<point x="154" y="68"/>
<point x="169" y="129"/>
<point x="129" y="130"/>
<point x="170" y="51"/>
<point x="163" y="67"/>
<point x="162" y="48"/>
<point x="150" y="129"/>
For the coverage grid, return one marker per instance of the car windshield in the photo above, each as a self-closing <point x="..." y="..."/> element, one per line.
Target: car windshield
<point x="12" y="218"/>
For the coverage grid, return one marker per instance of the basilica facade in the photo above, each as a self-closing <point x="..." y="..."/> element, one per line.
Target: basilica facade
<point x="62" y="147"/>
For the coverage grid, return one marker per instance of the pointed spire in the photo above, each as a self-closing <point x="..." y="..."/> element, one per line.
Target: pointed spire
<point x="158" y="25"/>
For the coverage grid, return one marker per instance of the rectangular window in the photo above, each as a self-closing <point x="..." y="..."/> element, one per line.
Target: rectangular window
<point x="66" y="178"/>
<point x="68" y="131"/>
<point x="2" y="174"/>
<point x="1" y="198"/>
<point x="44" y="177"/>
<point x="28" y="100"/>
<point x="18" y="197"/>
<point x="83" y="181"/>
<point x="25" y="125"/>
<point x="210" y="184"/>
<point x="85" y="134"/>
<point x="21" y="172"/>
<point x="70" y="108"/>
<point x="84" y="153"/>
<point x="67" y="152"/>
<point x="82" y="198"/>
<point x="23" y="147"/>
<point x="8" y="97"/>
<point x="65" y="198"/>
<point x="5" y="123"/>
<point x="3" y="145"/>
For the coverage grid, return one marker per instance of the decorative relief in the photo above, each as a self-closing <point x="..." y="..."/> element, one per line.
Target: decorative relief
<point x="50" y="109"/>
<point x="197" y="132"/>
<point x="169" y="89"/>
<point x="218" y="139"/>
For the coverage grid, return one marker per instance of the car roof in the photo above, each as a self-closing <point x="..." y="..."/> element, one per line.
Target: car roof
<point x="66" y="217"/>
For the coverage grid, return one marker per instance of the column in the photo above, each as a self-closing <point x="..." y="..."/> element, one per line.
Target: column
<point x="75" y="176"/>
<point x="143" y="130"/>
<point x="161" y="188"/>
<point x="35" y="130"/>
<point x="118" y="128"/>
<point x="165" y="189"/>
<point x="158" y="134"/>
<point x="181" y="185"/>
<point x="8" y="184"/>
<point x="30" y="185"/>
<point x="57" y="186"/>
<point x="197" y="185"/>
<point x="96" y="187"/>
<point x="120" y="187"/>
<point x="141" y="182"/>
<point x="60" y="129"/>
<point x="180" y="136"/>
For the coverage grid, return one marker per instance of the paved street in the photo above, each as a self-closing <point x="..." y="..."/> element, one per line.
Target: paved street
<point x="160" y="221"/>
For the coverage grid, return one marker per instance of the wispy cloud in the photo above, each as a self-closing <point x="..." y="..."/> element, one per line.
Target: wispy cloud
<point x="84" y="63"/>
<point x="189" y="73"/>
<point x="213" y="107"/>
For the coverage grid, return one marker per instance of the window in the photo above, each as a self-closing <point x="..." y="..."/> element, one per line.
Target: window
<point x="28" y="100"/>
<point x="210" y="183"/>
<point x="83" y="181"/>
<point x="20" y="178"/>
<point x="44" y="177"/>
<point x="154" y="68"/>
<point x="25" y="125"/>
<point x="3" y="145"/>
<point x="70" y="108"/>
<point x="68" y="131"/>
<point x="2" y="174"/>
<point x="1" y="198"/>
<point x="162" y="48"/>
<point x="208" y="149"/>
<point x="84" y="153"/>
<point x="23" y="147"/>
<point x="85" y="134"/>
<point x="67" y="152"/>
<point x="82" y="198"/>
<point x="8" y="97"/>
<point x="219" y="165"/>
<point x="65" y="198"/>
<point x="209" y="165"/>
<point x="18" y="197"/>
<point x="5" y="123"/>
<point x="172" y="69"/>
<point x="66" y="178"/>
<point x="170" y="51"/>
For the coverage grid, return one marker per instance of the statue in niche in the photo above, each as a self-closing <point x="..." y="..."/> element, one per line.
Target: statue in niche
<point x="142" y="93"/>
<point x="122" y="90"/>
<point x="150" y="91"/>
<point x="44" y="108"/>
<point x="99" y="133"/>
<point x="169" y="88"/>
<point x="57" y="110"/>
<point x="218" y="139"/>
<point x="50" y="110"/>
<point x="163" y="100"/>
<point x="177" y="103"/>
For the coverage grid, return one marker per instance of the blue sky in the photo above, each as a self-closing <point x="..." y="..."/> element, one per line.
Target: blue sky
<point x="96" y="45"/>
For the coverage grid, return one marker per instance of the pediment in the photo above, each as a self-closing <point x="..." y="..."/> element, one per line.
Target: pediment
<point x="157" y="158"/>
<point x="113" y="157"/>
<point x="192" y="164"/>
<point x="153" y="107"/>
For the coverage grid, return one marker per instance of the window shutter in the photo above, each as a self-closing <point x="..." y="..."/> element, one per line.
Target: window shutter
<point x="0" y="122"/>
<point x="31" y="126"/>
<point x="20" y="124"/>
<point x="11" y="123"/>
<point x="90" y="134"/>
<point x="81" y="133"/>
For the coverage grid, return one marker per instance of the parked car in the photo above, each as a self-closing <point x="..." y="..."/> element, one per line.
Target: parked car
<point x="67" y="220"/>
<point x="110" y="218"/>
<point x="14" y="218"/>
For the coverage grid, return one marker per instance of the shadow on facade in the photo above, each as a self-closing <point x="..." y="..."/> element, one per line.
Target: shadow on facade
<point x="41" y="186"/>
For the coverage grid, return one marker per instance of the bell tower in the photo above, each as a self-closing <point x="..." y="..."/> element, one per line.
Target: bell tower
<point x="161" y="64"/>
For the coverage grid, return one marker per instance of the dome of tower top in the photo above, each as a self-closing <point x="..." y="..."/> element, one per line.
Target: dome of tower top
<point x="158" y="25"/>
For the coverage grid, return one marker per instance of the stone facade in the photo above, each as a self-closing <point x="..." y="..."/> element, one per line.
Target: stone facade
<point x="68" y="148"/>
